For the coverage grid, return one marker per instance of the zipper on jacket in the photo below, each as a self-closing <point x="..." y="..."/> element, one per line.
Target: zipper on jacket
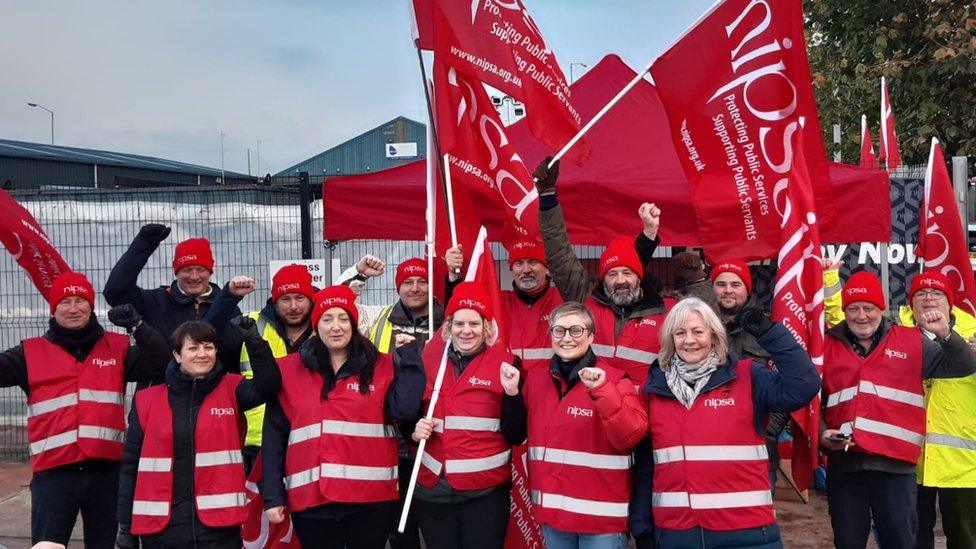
<point x="193" y="464"/>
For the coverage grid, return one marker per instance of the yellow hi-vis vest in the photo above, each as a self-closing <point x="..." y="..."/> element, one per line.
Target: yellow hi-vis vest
<point x="948" y="457"/>
<point x="279" y="348"/>
<point x="382" y="332"/>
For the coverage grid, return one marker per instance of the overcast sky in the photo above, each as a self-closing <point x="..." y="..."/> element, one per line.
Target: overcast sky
<point x="163" y="78"/>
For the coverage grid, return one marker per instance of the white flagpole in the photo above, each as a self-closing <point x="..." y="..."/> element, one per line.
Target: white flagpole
<point x="431" y="234"/>
<point x="450" y="201"/>
<point x="923" y="214"/>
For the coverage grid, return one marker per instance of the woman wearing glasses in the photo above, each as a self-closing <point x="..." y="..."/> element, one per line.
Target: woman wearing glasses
<point x="583" y="420"/>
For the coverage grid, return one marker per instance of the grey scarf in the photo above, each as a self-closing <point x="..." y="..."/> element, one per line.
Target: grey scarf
<point x="687" y="380"/>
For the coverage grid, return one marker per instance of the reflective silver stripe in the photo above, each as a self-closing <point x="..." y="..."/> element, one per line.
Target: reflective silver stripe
<point x="536" y="497"/>
<point x="897" y="395"/>
<point x="246" y="365"/>
<point x="473" y="423"/>
<point x="669" y="499"/>
<point x="102" y="397"/>
<point x="581" y="506"/>
<point x="667" y="455"/>
<point x="358" y="472"/>
<point x="536" y="452"/>
<point x="429" y="462"/>
<point x="222" y="457"/>
<point x="586" y="459"/>
<point x="150" y="508"/>
<point x="304" y="433"/>
<point x="475" y="465"/>
<point x="536" y="353"/>
<point x="950" y="440"/>
<point x="155" y="465"/>
<point x="888" y="430"/>
<point x="55" y="441"/>
<point x="302" y="478"/>
<point x="220" y="501"/>
<point x="832" y="289"/>
<point x="52" y="404"/>
<point x="637" y="355"/>
<point x="356" y="429"/>
<point x="833" y="399"/>
<point x="605" y="351"/>
<point x="731" y="499"/>
<point x="847" y="428"/>
<point x="103" y="433"/>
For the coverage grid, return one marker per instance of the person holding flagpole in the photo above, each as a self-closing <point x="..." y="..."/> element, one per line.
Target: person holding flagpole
<point x="462" y="497"/>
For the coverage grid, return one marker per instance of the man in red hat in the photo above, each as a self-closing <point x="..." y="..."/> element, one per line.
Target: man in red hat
<point x="188" y="297"/>
<point x="874" y="418"/>
<point x="529" y="302"/>
<point x="74" y="377"/>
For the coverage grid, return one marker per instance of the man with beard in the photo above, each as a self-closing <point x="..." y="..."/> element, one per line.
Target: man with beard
<point x="529" y="302"/>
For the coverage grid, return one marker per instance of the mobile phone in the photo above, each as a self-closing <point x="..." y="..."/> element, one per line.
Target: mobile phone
<point x="840" y="437"/>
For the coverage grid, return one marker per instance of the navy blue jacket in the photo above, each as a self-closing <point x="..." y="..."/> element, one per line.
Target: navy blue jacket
<point x="790" y="388"/>
<point x="163" y="308"/>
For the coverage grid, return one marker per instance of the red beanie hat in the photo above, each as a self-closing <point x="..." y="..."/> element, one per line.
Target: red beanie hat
<point x="415" y="266"/>
<point x="863" y="286"/>
<point x="335" y="296"/>
<point x="193" y="252"/>
<point x="526" y="249"/>
<point x="292" y="279"/>
<point x="621" y="253"/>
<point x="70" y="284"/>
<point x="934" y="281"/>
<point x="470" y="295"/>
<point x="736" y="267"/>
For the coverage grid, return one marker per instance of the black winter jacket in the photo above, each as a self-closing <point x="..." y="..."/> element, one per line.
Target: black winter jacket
<point x="186" y="394"/>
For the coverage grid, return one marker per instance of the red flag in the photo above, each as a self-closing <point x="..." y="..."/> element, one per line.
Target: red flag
<point x="258" y="532"/>
<point x="889" y="139"/>
<point x="423" y="27"/>
<point x="868" y="158"/>
<point x="798" y="296"/>
<point x="498" y="43"/>
<point x="27" y="242"/>
<point x="732" y="111"/>
<point x="941" y="240"/>
<point x="482" y="159"/>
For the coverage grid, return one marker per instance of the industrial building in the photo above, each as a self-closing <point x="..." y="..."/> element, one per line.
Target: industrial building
<point x="388" y="145"/>
<point x="35" y="165"/>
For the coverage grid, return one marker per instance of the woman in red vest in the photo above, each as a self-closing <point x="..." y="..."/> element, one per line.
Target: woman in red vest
<point x="182" y="480"/>
<point x="711" y="480"/>
<point x="462" y="496"/>
<point x="580" y="437"/>
<point x="329" y="443"/>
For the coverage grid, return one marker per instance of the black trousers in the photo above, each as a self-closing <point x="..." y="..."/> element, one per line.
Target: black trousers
<point x="366" y="529"/>
<point x="410" y="538"/>
<point x="57" y="495"/>
<point x="473" y="524"/>
<point x="854" y="499"/>
<point x="958" y="509"/>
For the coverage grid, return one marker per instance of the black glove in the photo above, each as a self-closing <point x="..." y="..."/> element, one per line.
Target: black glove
<point x="125" y="316"/>
<point x="754" y="321"/>
<point x="246" y="328"/>
<point x="154" y="232"/>
<point x="545" y="177"/>
<point x="125" y="540"/>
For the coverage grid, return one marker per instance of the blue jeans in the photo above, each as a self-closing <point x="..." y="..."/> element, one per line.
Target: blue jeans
<point x="557" y="539"/>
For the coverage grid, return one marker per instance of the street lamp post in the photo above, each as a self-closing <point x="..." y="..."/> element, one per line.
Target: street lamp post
<point x="223" y="181"/>
<point x="49" y="111"/>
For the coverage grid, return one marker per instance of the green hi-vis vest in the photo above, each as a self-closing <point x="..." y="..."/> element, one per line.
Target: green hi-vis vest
<point x="279" y="348"/>
<point x="948" y="457"/>
<point x="382" y="332"/>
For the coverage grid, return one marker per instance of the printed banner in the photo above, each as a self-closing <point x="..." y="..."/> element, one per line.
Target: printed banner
<point x="29" y="245"/>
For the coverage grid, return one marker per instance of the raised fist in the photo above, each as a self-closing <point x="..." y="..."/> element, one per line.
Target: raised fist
<point x="124" y="316"/>
<point x="650" y="216"/>
<point x="154" y="232"/>
<point x="240" y="286"/>
<point x="370" y="266"/>
<point x="510" y="376"/>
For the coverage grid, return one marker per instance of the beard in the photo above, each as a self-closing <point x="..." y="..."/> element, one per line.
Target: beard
<point x="295" y="323"/>
<point x="623" y="298"/>
<point x="527" y="283"/>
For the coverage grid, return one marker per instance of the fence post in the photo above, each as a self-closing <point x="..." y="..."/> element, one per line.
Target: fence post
<point x="305" y="199"/>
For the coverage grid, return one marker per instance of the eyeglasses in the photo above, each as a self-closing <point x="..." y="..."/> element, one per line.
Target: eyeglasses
<point x="930" y="294"/>
<point x="575" y="332"/>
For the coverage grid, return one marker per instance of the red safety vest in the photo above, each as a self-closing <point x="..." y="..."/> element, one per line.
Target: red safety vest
<point x="531" y="340"/>
<point x="711" y="468"/>
<point x="467" y="448"/>
<point x="634" y="349"/>
<point x="340" y="449"/>
<point x="218" y="465"/>
<point x="878" y="399"/>
<point x="75" y="410"/>
<point x="580" y="482"/>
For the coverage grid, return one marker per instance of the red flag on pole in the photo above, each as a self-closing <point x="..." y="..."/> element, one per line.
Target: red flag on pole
<point x="498" y="43"/>
<point x="889" y="139"/>
<point x="258" y="532"/>
<point x="798" y="295"/>
<point x="423" y="26"/>
<point x="731" y="114"/>
<point x="868" y="158"/>
<point x="27" y="242"/>
<point x="941" y="240"/>
<point x="471" y="135"/>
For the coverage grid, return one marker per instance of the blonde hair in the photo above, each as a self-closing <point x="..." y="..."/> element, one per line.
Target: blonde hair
<point x="573" y="308"/>
<point x="490" y="329"/>
<point x="677" y="317"/>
